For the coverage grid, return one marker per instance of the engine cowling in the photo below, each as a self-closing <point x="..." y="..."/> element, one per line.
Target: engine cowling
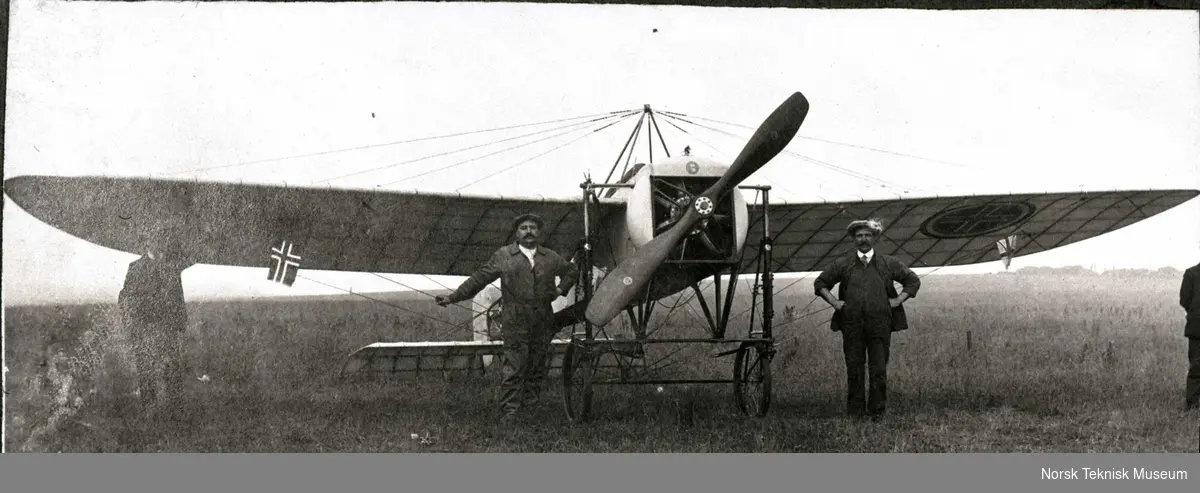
<point x="662" y="193"/>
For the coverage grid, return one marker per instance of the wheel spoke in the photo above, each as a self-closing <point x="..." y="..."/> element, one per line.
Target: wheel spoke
<point x="578" y="372"/>
<point x="752" y="380"/>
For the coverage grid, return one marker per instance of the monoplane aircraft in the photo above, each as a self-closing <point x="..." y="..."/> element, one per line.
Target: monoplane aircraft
<point x="660" y="229"/>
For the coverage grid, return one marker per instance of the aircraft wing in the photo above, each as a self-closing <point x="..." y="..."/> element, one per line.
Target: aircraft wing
<point x="943" y="231"/>
<point x="234" y="224"/>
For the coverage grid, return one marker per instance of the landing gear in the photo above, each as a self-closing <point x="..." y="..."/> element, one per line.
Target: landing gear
<point x="752" y="378"/>
<point x="586" y="360"/>
<point x="578" y="370"/>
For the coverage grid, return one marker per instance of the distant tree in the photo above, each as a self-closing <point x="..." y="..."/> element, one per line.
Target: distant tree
<point x="1168" y="272"/>
<point x="1071" y="270"/>
<point x="1127" y="273"/>
<point x="1160" y="273"/>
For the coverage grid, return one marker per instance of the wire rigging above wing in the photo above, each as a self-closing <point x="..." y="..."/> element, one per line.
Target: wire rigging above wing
<point x="531" y="158"/>
<point x="477" y="146"/>
<point x="386" y="144"/>
<point x="855" y="146"/>
<point x="840" y="169"/>
<point x="460" y="163"/>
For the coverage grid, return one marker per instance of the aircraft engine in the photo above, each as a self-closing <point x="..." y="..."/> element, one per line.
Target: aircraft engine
<point x="662" y="195"/>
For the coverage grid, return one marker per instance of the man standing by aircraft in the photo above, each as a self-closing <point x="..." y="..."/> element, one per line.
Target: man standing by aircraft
<point x="867" y="311"/>
<point x="527" y="274"/>
<point x="1189" y="299"/>
<point x="153" y="312"/>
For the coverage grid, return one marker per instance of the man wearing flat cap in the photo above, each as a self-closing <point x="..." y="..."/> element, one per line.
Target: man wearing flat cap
<point x="867" y="310"/>
<point x="527" y="274"/>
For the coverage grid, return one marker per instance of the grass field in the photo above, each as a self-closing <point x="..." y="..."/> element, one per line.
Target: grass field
<point x="1055" y="363"/>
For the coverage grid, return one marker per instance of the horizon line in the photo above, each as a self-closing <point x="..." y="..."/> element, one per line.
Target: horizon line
<point x="1030" y="270"/>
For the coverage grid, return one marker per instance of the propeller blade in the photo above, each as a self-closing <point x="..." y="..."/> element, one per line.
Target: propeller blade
<point x="663" y="225"/>
<point x="624" y="282"/>
<point x="772" y="136"/>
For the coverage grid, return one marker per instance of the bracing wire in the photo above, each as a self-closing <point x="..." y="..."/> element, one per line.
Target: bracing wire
<point x="818" y="162"/>
<point x="849" y="172"/>
<point x="698" y="139"/>
<point x="460" y="163"/>
<point x="398" y="307"/>
<point x="715" y="148"/>
<point x="386" y="144"/>
<point x="430" y="332"/>
<point x="856" y="146"/>
<point x="430" y="295"/>
<point x="477" y="146"/>
<point x="444" y="332"/>
<point x="581" y="137"/>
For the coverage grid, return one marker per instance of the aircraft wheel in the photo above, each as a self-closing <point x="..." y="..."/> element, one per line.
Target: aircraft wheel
<point x="579" y="367"/>
<point x="752" y="379"/>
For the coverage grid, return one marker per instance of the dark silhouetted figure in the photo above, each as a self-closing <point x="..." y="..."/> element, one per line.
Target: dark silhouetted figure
<point x="1189" y="299"/>
<point x="154" y="314"/>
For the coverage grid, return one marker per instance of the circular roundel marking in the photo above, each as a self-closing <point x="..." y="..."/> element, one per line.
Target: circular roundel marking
<point x="627" y="280"/>
<point x="692" y="167"/>
<point x="704" y="206"/>
<point x="975" y="220"/>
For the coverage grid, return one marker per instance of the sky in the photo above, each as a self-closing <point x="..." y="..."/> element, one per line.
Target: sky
<point x="903" y="103"/>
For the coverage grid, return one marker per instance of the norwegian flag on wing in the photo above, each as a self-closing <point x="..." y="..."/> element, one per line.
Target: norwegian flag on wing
<point x="285" y="263"/>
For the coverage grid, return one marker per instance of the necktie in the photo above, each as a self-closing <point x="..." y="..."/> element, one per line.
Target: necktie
<point x="864" y="259"/>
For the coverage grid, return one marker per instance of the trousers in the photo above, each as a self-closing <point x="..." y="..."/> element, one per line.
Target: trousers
<point x="866" y="353"/>
<point x="1193" y="373"/>
<point x="158" y="355"/>
<point x="528" y="330"/>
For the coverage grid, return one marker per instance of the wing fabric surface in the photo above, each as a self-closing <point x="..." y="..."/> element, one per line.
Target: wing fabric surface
<point x="450" y="234"/>
<point x="944" y="231"/>
<point x="336" y="229"/>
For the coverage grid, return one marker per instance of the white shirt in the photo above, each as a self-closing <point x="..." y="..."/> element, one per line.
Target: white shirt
<point x="870" y="255"/>
<point x="529" y="252"/>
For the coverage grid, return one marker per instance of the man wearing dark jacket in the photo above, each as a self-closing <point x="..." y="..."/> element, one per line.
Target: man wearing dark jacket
<point x="866" y="311"/>
<point x="527" y="274"/>
<point x="1189" y="299"/>
<point x="153" y="311"/>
